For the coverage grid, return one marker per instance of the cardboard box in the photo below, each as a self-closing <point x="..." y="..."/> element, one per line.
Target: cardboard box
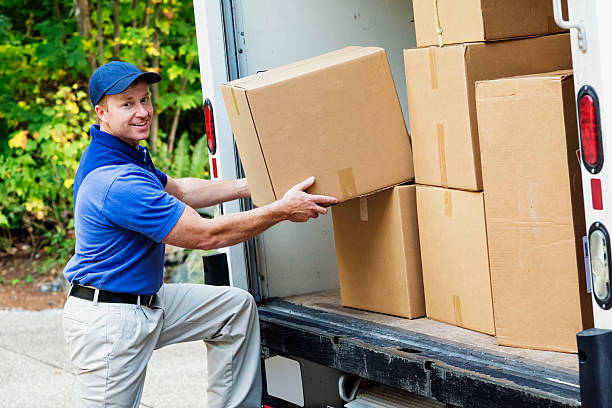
<point x="534" y="210"/>
<point x="377" y="248"/>
<point x="481" y="20"/>
<point x="440" y="83"/>
<point x="336" y="117"/>
<point x="454" y="255"/>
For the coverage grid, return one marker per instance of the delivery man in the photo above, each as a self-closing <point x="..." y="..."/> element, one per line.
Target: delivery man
<point x="125" y="210"/>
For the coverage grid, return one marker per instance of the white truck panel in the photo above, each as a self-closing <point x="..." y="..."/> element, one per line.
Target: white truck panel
<point x="589" y="66"/>
<point x="301" y="258"/>
<point x="213" y="72"/>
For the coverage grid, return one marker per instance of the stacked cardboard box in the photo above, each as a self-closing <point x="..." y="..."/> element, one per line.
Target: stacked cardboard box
<point x="444" y="22"/>
<point x="441" y="98"/>
<point x="377" y="248"/>
<point x="534" y="210"/>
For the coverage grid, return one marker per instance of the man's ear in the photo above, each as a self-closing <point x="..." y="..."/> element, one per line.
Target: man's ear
<point x="100" y="113"/>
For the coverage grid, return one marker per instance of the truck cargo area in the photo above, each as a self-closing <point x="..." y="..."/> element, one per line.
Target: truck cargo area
<point x="292" y="268"/>
<point x="456" y="366"/>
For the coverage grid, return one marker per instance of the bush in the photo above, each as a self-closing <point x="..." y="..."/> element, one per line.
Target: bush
<point x="47" y="53"/>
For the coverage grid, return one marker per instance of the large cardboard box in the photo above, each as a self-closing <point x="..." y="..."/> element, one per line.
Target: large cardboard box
<point x="534" y="210"/>
<point x="440" y="84"/>
<point x="377" y="248"/>
<point x="454" y="256"/>
<point x="336" y="117"/>
<point x="443" y="22"/>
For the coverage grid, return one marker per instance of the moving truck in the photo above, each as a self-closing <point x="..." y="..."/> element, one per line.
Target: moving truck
<point x="317" y="353"/>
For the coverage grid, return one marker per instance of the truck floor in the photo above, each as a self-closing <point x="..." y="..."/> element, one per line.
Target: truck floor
<point x="456" y="366"/>
<point x="329" y="301"/>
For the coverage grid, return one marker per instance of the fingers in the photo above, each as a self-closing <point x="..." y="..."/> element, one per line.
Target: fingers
<point x="305" y="184"/>
<point x="320" y="210"/>
<point x="324" y="200"/>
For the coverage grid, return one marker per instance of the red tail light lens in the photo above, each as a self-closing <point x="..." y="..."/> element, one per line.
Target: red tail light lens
<point x="210" y="127"/>
<point x="590" y="132"/>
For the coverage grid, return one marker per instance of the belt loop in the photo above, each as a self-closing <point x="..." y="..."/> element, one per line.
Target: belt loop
<point x="138" y="301"/>
<point x="95" y="298"/>
<point x="69" y="291"/>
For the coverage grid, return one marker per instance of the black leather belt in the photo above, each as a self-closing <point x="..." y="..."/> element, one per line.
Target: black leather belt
<point x="105" y="296"/>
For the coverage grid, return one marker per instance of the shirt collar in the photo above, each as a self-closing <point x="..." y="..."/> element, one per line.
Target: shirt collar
<point x="141" y="155"/>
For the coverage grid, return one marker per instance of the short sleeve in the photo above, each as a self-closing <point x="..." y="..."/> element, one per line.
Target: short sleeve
<point x="162" y="177"/>
<point x="136" y="201"/>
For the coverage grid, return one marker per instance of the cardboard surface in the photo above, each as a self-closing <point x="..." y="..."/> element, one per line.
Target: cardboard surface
<point x="440" y="84"/>
<point x="534" y="210"/>
<point x="377" y="248"/>
<point x="333" y="117"/>
<point x="454" y="256"/>
<point x="481" y="20"/>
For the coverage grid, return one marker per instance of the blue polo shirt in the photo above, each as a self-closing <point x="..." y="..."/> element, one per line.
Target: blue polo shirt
<point x="121" y="215"/>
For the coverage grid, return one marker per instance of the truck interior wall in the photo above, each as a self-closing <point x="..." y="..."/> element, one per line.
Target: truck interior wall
<point x="301" y="258"/>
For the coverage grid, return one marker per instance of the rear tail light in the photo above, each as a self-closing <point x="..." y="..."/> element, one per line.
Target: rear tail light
<point x="209" y="123"/>
<point x="590" y="129"/>
<point x="599" y="253"/>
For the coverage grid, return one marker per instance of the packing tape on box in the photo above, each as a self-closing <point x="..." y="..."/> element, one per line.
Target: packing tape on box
<point x="439" y="30"/>
<point x="458" y="312"/>
<point x="448" y="203"/>
<point x="433" y="68"/>
<point x="363" y="208"/>
<point x="347" y="183"/>
<point x="442" y="155"/>
<point x="235" y="102"/>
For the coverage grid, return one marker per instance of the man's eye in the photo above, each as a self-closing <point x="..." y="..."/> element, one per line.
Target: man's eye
<point x="126" y="105"/>
<point x="145" y="100"/>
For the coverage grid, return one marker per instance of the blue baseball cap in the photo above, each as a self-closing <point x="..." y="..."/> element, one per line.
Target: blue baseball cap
<point x="115" y="77"/>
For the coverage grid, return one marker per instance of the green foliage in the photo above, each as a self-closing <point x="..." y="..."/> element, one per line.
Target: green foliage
<point x="45" y="113"/>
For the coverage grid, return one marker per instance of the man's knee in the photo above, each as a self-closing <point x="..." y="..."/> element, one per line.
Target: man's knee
<point x="242" y="299"/>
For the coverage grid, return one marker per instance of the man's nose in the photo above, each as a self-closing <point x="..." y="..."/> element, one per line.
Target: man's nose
<point x="141" y="110"/>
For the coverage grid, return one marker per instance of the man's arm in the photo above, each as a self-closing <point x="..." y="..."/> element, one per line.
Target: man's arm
<point x="193" y="231"/>
<point x="199" y="193"/>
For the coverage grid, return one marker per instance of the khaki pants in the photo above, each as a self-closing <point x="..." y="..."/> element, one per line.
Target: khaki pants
<point x="110" y="344"/>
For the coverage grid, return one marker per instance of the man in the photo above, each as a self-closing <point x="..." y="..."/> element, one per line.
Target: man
<point x="125" y="210"/>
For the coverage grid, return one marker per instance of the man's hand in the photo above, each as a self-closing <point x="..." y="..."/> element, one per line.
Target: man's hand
<point x="299" y="206"/>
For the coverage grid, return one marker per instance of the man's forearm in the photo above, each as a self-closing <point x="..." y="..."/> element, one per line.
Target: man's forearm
<point x="198" y="193"/>
<point x="193" y="231"/>
<point x="231" y="229"/>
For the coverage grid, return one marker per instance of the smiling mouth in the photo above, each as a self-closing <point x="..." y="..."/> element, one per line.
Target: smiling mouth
<point x="141" y="124"/>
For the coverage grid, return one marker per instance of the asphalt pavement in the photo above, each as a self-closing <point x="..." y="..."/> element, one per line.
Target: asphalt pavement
<point x="35" y="370"/>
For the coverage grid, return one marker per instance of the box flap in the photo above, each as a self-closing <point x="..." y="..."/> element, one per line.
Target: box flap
<point x="436" y="77"/>
<point x="454" y="257"/>
<point x="245" y="134"/>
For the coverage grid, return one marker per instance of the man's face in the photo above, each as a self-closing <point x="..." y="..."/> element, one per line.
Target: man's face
<point x="127" y="115"/>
